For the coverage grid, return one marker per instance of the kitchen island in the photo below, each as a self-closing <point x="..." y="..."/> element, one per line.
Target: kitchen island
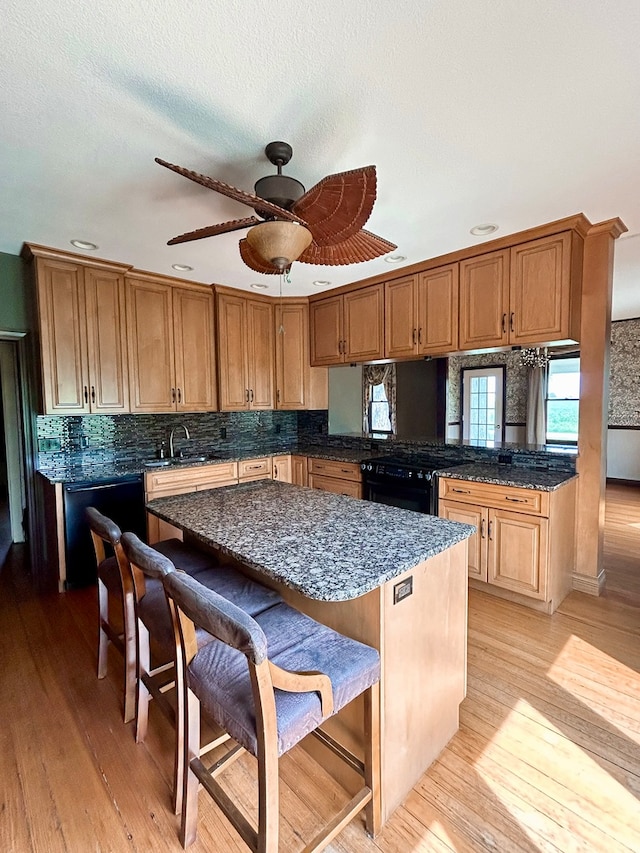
<point x="394" y="579"/>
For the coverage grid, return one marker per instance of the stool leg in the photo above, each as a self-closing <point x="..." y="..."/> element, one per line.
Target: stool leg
<point x="130" y="658"/>
<point x="373" y="809"/>
<point x="267" y="736"/>
<point x="189" y="822"/>
<point x="142" y="694"/>
<point x="103" y="619"/>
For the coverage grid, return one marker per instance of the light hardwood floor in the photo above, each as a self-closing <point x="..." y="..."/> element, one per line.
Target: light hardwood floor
<point x="547" y="757"/>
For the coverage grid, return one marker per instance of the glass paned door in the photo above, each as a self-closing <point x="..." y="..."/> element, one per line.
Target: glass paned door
<point x="482" y="403"/>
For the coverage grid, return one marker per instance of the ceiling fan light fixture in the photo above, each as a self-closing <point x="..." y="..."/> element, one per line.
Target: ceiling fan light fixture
<point x="279" y="243"/>
<point x="483" y="230"/>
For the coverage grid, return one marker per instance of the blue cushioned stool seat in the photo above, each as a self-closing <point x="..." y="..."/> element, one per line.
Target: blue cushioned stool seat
<point x="219" y="677"/>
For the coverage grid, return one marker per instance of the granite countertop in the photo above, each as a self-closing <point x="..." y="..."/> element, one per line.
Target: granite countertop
<point x="328" y="547"/>
<point x="508" y="475"/>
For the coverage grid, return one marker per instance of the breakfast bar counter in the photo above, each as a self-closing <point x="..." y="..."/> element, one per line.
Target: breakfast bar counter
<point x="394" y="579"/>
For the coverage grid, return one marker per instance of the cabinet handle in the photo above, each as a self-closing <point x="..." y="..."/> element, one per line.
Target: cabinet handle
<point x="253" y="467"/>
<point x="86" y="394"/>
<point x="173" y="395"/>
<point x="490" y="527"/>
<point x="179" y="395"/>
<point x="511" y="320"/>
<point x="504" y="323"/>
<point x="461" y="491"/>
<point x="415" y="336"/>
<point x="278" y="396"/>
<point x="346" y="470"/>
<point x="420" y="335"/>
<point x="275" y="472"/>
<point x="482" y="529"/>
<point x="516" y="500"/>
<point x="251" y="392"/>
<point x="93" y="393"/>
<point x="246" y="395"/>
<point x="340" y="347"/>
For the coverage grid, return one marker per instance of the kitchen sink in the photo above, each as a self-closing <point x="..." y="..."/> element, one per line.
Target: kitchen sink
<point x="179" y="460"/>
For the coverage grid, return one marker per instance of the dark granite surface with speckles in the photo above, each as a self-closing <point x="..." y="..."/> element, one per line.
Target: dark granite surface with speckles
<point x="326" y="546"/>
<point x="508" y="475"/>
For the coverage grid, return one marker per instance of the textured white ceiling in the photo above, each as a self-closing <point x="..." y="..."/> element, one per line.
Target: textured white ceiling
<point x="478" y="111"/>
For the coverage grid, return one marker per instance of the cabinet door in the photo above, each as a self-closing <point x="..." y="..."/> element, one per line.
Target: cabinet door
<point x="194" y="351"/>
<point x="63" y="336"/>
<point x="299" y="470"/>
<point x="438" y="310"/>
<point x="364" y="324"/>
<point x="292" y="355"/>
<point x="401" y="326"/>
<point x="150" y="342"/>
<point x="477" y="516"/>
<point x="518" y="552"/>
<point x="281" y="468"/>
<point x="233" y="381"/>
<point x="260" y="349"/>
<point x="484" y="301"/>
<point x="107" y="341"/>
<point x="339" y="487"/>
<point x="541" y="290"/>
<point x="325" y="331"/>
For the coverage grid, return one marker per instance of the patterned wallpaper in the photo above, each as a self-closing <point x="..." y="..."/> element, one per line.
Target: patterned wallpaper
<point x="515" y="379"/>
<point x="624" y="376"/>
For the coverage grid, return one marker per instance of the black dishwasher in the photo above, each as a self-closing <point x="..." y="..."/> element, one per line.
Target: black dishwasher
<point x="121" y="499"/>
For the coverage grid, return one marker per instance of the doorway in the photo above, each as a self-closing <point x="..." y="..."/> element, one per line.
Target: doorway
<point x="483" y="391"/>
<point x="12" y="477"/>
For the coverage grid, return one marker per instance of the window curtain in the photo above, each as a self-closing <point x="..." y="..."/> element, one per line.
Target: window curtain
<point x="536" y="408"/>
<point x="378" y="374"/>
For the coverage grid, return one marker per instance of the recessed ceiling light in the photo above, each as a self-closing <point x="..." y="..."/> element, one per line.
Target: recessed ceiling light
<point x="84" y="244"/>
<point x="483" y="230"/>
<point x="182" y="267"/>
<point x="259" y="286"/>
<point x="321" y="283"/>
<point x="395" y="259"/>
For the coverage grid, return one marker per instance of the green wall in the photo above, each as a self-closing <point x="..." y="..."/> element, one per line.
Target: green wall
<point x="14" y="310"/>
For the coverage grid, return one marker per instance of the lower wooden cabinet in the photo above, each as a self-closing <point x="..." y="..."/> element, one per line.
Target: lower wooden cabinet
<point x="527" y="554"/>
<point x="180" y="481"/>
<point x="254" y="469"/>
<point x="299" y="472"/>
<point x="342" y="478"/>
<point x="281" y="468"/>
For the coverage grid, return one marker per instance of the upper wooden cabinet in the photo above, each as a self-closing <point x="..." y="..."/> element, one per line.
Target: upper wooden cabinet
<point x="421" y="313"/>
<point x="246" y="352"/>
<point x="348" y="327"/>
<point x="171" y="347"/>
<point x="298" y="386"/>
<point x="528" y="294"/>
<point x="81" y="313"/>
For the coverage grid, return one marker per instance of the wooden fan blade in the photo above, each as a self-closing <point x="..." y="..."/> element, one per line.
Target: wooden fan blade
<point x="339" y="205"/>
<point x="243" y="197"/>
<point x="254" y="261"/>
<point x="362" y="246"/>
<point x="212" y="230"/>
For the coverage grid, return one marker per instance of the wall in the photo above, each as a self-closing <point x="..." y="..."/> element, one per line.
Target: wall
<point x="623" y="434"/>
<point x="516" y="392"/>
<point x="14" y="312"/>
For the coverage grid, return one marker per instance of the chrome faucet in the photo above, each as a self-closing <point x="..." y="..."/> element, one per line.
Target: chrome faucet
<point x="186" y="435"/>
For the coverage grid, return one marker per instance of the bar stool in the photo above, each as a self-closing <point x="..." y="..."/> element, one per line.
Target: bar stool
<point x="114" y="578"/>
<point x="292" y="673"/>
<point x="155" y="636"/>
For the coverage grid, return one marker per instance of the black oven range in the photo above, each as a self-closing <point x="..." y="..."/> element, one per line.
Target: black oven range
<point x="408" y="483"/>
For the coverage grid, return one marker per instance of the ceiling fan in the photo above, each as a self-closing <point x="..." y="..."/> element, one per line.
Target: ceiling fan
<point x="322" y="225"/>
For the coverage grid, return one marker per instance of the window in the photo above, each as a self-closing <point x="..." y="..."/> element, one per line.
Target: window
<point x="482" y="405"/>
<point x="563" y="395"/>
<point x="379" y="414"/>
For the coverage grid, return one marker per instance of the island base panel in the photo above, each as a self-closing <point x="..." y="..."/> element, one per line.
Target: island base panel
<point x="423" y="649"/>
